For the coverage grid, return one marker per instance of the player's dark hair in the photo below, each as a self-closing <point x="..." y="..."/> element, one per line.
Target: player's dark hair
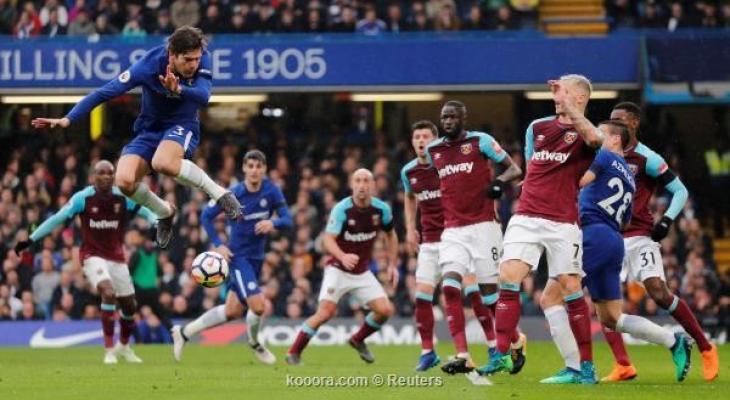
<point x="629" y="107"/>
<point x="425" y="124"/>
<point x="185" y="39"/>
<point x="456" y="104"/>
<point x="621" y="129"/>
<point x="256" y="155"/>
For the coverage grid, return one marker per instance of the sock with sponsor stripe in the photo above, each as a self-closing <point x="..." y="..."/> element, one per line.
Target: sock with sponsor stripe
<point x="424" y="319"/>
<point x="482" y="312"/>
<point x="145" y="197"/>
<point x="191" y="175"/>
<point x="213" y="317"/>
<point x="557" y="318"/>
<point x="682" y="314"/>
<point x="126" y="327"/>
<point x="303" y="337"/>
<point x="618" y="348"/>
<point x="455" y="314"/>
<point x="107" y="324"/>
<point x="580" y="323"/>
<point x="368" y="327"/>
<point x="508" y="315"/>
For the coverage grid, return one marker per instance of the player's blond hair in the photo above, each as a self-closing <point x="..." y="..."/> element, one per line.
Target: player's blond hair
<point x="579" y="81"/>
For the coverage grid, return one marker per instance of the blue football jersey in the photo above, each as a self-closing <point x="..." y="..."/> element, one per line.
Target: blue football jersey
<point x="257" y="206"/>
<point x="161" y="109"/>
<point x="608" y="199"/>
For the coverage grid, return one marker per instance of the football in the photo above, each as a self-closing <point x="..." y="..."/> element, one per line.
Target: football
<point x="210" y="269"/>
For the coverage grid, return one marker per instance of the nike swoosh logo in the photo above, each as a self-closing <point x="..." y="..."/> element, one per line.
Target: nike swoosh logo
<point x="39" y="340"/>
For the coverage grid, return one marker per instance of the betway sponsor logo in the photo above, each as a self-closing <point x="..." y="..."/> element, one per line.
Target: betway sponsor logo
<point x="103" y="224"/>
<point x="258" y="215"/>
<point x="545" y="155"/>
<point x="452" y="169"/>
<point x="428" y="195"/>
<point x="359" y="237"/>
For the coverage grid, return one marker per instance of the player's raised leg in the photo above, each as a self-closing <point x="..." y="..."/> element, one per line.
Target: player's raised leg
<point x="170" y="159"/>
<point x="325" y="311"/>
<point x="131" y="168"/>
<point x="232" y="309"/>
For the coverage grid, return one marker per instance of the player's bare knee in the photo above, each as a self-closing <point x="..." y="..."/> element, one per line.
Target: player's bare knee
<point x="164" y="164"/>
<point x="512" y="271"/>
<point x="257" y="307"/>
<point x="571" y="283"/>
<point x="125" y="182"/>
<point x="608" y="320"/>
<point x="658" y="291"/>
<point x="234" y="311"/>
<point x="385" y="309"/>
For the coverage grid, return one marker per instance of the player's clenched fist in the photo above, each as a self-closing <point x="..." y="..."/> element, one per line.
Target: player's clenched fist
<point x="349" y="261"/>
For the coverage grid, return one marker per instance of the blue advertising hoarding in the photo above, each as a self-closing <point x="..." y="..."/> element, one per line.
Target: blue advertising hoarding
<point x="331" y="62"/>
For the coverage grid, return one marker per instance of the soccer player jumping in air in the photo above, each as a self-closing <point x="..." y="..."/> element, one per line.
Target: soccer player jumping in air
<point x="104" y="213"/>
<point x="245" y="254"/>
<point x="605" y="207"/>
<point x="176" y="83"/>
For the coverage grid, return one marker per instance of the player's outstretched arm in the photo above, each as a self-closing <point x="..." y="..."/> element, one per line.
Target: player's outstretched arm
<point x="206" y="220"/>
<point x="491" y="149"/>
<point x="679" y="198"/>
<point x="73" y="207"/>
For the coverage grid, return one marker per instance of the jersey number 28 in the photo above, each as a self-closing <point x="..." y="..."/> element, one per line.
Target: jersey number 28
<point x="609" y="202"/>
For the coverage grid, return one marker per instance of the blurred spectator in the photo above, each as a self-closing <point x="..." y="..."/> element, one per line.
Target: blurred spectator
<point x="395" y="22"/>
<point x="446" y="20"/>
<point x="347" y="22"/>
<point x="709" y="17"/>
<point x="102" y="26"/>
<point x="435" y="7"/>
<point x="421" y="23"/>
<point x="288" y="22"/>
<point x="264" y="19"/>
<point x="60" y="9"/>
<point x="150" y="330"/>
<point x="82" y="25"/>
<point x="314" y="23"/>
<point x="370" y="25"/>
<point x="45" y="282"/>
<point x="185" y="12"/>
<point x="52" y="27"/>
<point x="677" y="17"/>
<point x="475" y="21"/>
<point x="133" y="29"/>
<point x="7" y="17"/>
<point x="29" y="24"/>
<point x="622" y="13"/>
<point x="213" y="21"/>
<point x="504" y="20"/>
<point x="163" y="25"/>
<point x="651" y="17"/>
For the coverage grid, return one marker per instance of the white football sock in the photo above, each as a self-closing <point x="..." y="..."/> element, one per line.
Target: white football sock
<point x="213" y="317"/>
<point x="253" y="323"/>
<point x="557" y="317"/>
<point x="191" y="175"/>
<point x="144" y="197"/>
<point x="642" y="328"/>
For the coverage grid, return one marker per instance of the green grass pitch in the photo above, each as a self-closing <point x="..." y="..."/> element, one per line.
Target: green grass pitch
<point x="233" y="373"/>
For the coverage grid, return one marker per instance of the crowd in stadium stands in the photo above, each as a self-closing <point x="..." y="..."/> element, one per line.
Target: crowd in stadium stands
<point x="42" y="170"/>
<point x="135" y="18"/>
<point x="142" y="17"/>
<point x="669" y="14"/>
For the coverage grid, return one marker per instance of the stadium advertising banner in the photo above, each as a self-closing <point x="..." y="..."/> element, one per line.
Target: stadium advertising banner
<point x="399" y="331"/>
<point x="329" y="62"/>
